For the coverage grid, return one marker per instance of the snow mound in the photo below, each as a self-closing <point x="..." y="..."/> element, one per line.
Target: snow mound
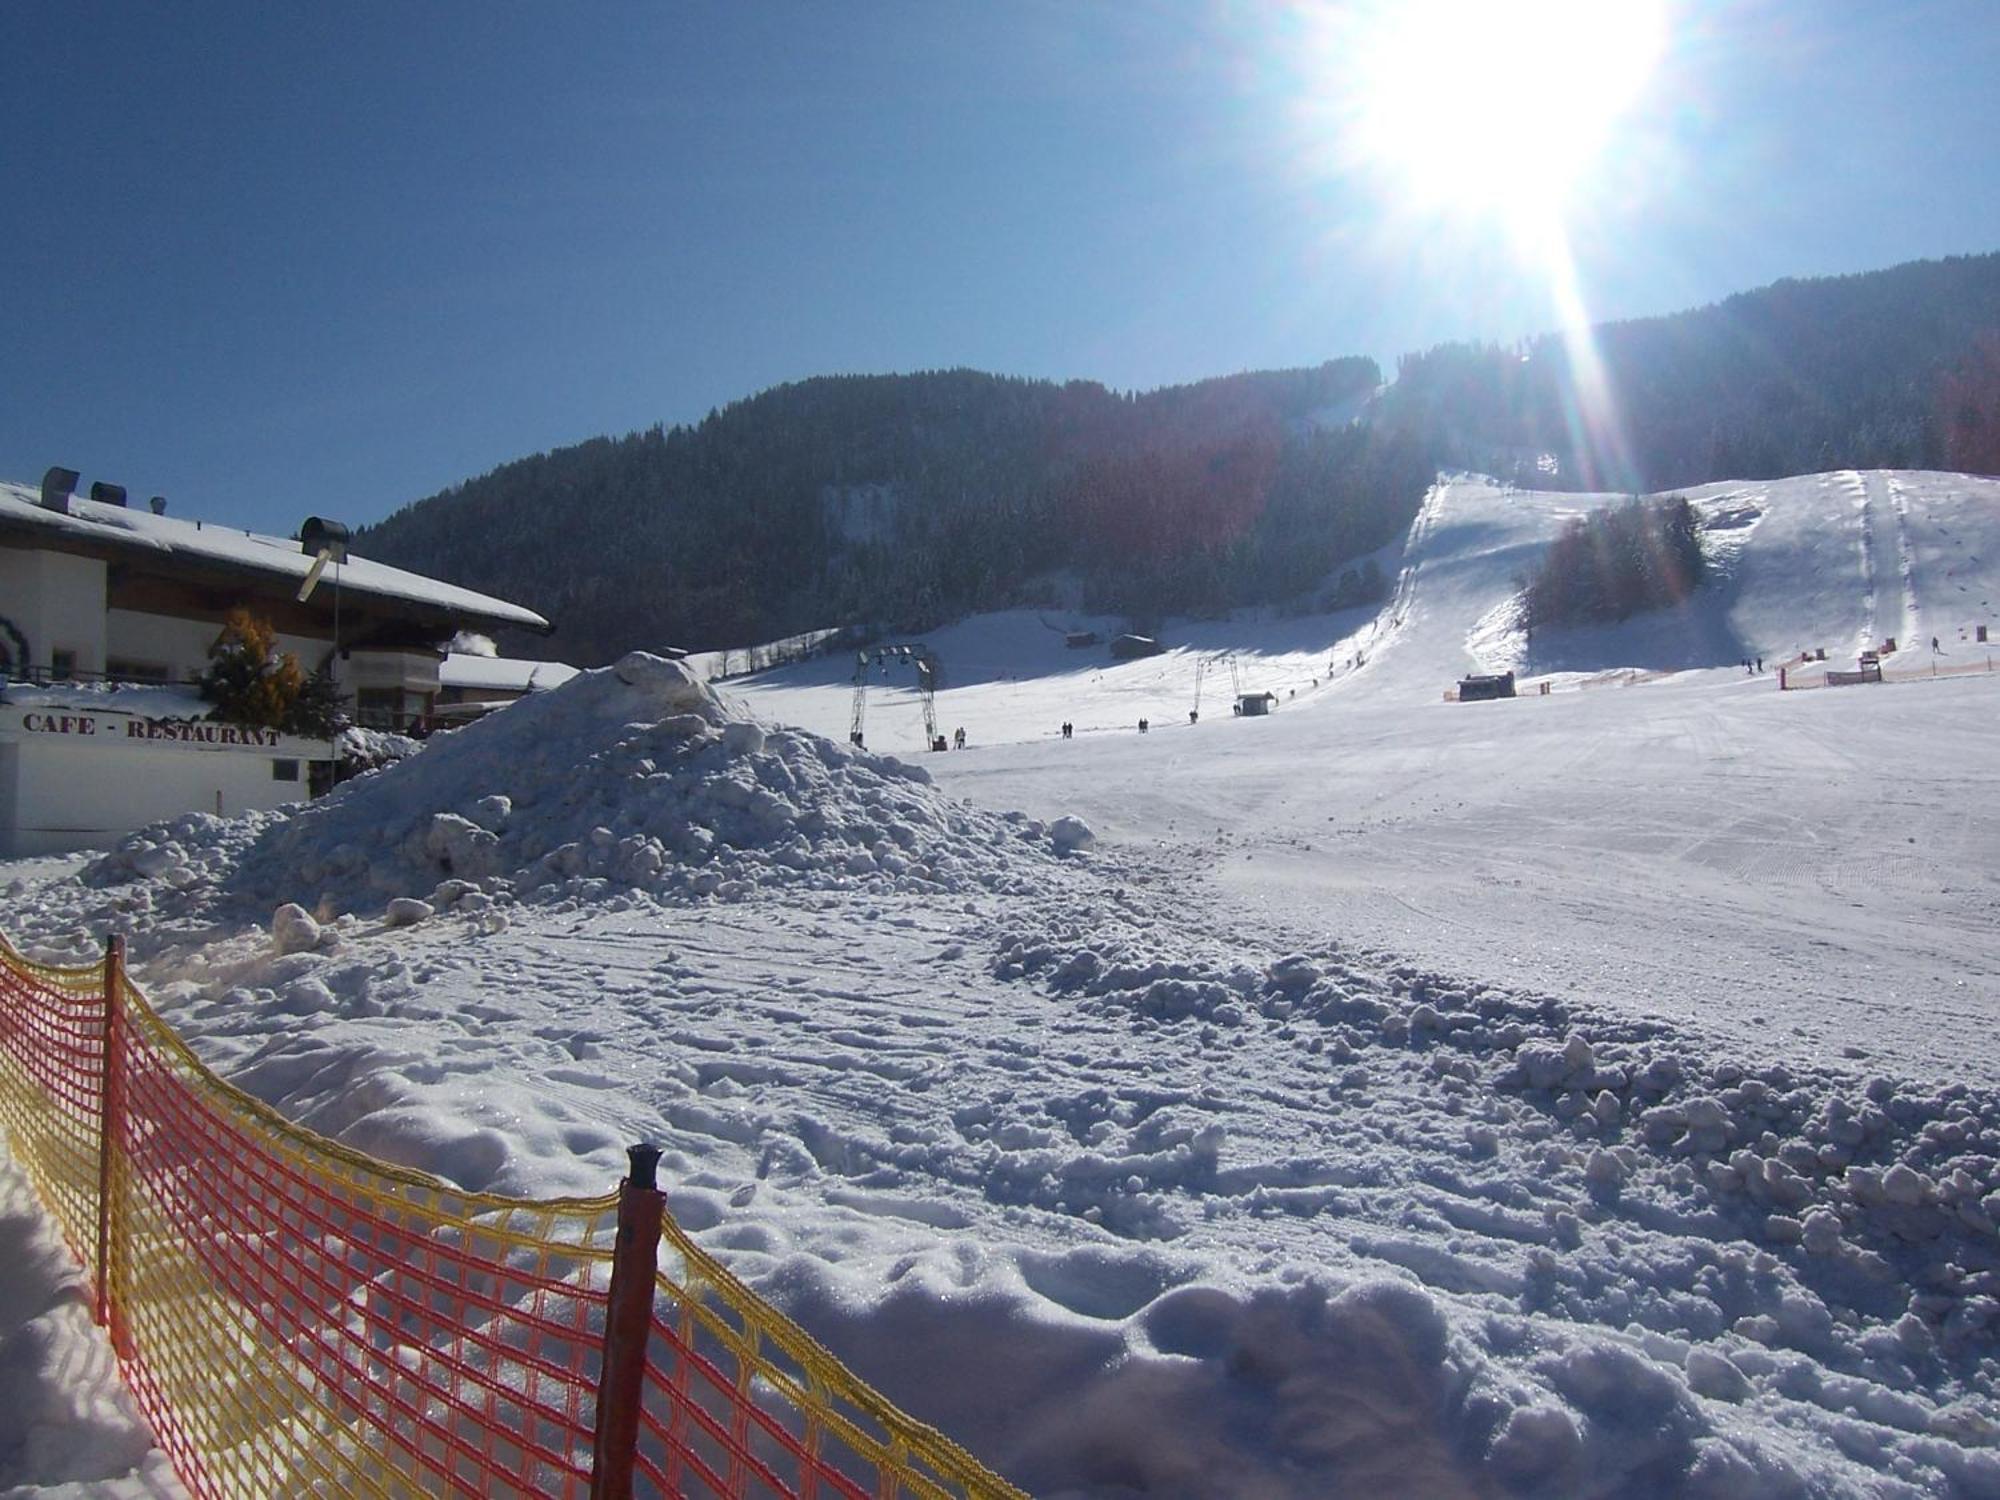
<point x="372" y="749"/>
<point x="635" y="781"/>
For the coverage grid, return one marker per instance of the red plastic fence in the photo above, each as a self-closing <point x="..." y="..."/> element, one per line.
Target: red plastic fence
<point x="294" y="1317"/>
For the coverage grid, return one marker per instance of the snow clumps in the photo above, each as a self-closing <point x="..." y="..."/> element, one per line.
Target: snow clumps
<point x="293" y="930"/>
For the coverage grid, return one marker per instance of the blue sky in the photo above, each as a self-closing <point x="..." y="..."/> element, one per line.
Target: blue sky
<point x="282" y="260"/>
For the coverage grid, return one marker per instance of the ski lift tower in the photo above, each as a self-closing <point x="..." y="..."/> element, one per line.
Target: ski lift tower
<point x="918" y="656"/>
<point x="1203" y="665"/>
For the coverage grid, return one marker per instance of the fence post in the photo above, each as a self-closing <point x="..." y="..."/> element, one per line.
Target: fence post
<point x="628" y="1322"/>
<point x="107" y="1122"/>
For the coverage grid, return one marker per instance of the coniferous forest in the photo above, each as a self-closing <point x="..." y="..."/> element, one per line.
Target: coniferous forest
<point x="903" y="501"/>
<point x="1619" y="560"/>
<point x="1895" y="369"/>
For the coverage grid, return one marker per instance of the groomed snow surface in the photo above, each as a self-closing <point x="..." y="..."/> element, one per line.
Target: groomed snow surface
<point x="1586" y="1094"/>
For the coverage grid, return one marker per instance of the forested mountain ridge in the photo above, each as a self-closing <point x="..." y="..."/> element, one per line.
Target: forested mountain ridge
<point x="905" y="500"/>
<point x="1892" y="369"/>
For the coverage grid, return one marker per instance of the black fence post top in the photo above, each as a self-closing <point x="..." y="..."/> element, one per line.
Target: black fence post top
<point x="645" y="1159"/>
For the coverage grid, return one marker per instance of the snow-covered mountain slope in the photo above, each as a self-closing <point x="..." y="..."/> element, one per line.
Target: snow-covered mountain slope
<point x="1584" y="1095"/>
<point x="1832" y="562"/>
<point x="1836" y="562"/>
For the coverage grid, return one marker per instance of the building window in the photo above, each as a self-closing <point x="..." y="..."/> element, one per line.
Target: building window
<point x="389" y="708"/>
<point x="62" y="665"/>
<point x="120" y="669"/>
<point x="377" y="708"/>
<point x="284" y="770"/>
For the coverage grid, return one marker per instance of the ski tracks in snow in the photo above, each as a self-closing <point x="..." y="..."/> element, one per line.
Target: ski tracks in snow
<point x="1894" y="493"/>
<point x="1881" y="503"/>
<point x="1864" y="512"/>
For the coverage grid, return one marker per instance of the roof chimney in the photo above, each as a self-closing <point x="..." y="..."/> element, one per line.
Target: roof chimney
<point x="159" y="505"/>
<point x="108" y="494"/>
<point x="329" y="537"/>
<point x="57" y="486"/>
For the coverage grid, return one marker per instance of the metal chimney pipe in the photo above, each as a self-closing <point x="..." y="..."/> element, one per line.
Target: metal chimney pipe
<point x="58" y="484"/>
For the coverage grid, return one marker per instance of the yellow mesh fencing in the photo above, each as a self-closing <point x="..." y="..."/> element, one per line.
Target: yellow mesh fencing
<point x="741" y="1401"/>
<point x="52" y="1087"/>
<point x="295" y="1318"/>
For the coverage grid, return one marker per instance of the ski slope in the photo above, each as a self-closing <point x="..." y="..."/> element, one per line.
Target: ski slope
<point x="1584" y="1094"/>
<point x="1833" y="562"/>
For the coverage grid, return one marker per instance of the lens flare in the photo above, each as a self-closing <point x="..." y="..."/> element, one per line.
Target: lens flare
<point x="1488" y="131"/>
<point x="1488" y="107"/>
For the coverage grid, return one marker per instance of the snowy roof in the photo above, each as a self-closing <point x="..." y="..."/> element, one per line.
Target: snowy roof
<point x="509" y="674"/>
<point x="175" y="538"/>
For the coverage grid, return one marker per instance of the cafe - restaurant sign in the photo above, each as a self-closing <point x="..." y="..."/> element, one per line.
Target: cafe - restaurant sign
<point x="50" y="725"/>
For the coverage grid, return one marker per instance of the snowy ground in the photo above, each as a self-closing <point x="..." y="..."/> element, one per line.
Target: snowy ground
<point x="1587" y="1094"/>
<point x="69" y="1428"/>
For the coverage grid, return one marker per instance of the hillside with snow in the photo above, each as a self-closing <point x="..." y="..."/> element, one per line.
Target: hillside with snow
<point x="1585" y="1094"/>
<point x="1831" y="561"/>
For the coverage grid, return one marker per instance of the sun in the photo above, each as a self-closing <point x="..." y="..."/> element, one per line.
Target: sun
<point x="1489" y="108"/>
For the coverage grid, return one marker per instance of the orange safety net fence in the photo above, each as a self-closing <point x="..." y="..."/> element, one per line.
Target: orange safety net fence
<point x="296" y="1318"/>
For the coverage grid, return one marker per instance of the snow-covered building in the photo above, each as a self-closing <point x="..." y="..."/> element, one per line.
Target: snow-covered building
<point x="107" y="614"/>
<point x="471" y="686"/>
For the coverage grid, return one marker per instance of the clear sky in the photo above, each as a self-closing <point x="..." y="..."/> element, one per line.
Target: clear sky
<point x="280" y="260"/>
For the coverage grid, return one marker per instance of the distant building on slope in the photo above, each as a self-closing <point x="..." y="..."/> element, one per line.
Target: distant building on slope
<point x="1132" y="647"/>
<point x="107" y="614"/>
<point x="1487" y="685"/>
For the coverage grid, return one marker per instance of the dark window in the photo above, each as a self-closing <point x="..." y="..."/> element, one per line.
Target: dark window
<point x="119" y="669"/>
<point x="284" y="770"/>
<point x="389" y="708"/>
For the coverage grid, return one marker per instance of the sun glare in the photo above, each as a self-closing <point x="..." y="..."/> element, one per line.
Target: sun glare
<point x="1490" y="108"/>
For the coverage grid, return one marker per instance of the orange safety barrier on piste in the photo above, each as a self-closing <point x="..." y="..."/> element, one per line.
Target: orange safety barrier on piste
<point x="293" y="1317"/>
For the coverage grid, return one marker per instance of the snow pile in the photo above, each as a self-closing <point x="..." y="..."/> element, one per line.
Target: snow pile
<point x="631" y="782"/>
<point x="371" y="749"/>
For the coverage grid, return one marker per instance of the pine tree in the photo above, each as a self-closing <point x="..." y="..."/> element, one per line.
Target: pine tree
<point x="244" y="680"/>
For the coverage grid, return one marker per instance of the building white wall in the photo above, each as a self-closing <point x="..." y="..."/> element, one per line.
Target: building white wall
<point x="9" y="776"/>
<point x="63" y="795"/>
<point x="182" y="644"/>
<point x="57" y="602"/>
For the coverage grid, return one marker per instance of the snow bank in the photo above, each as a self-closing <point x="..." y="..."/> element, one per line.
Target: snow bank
<point x="634" y="781"/>
<point x="372" y="749"/>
